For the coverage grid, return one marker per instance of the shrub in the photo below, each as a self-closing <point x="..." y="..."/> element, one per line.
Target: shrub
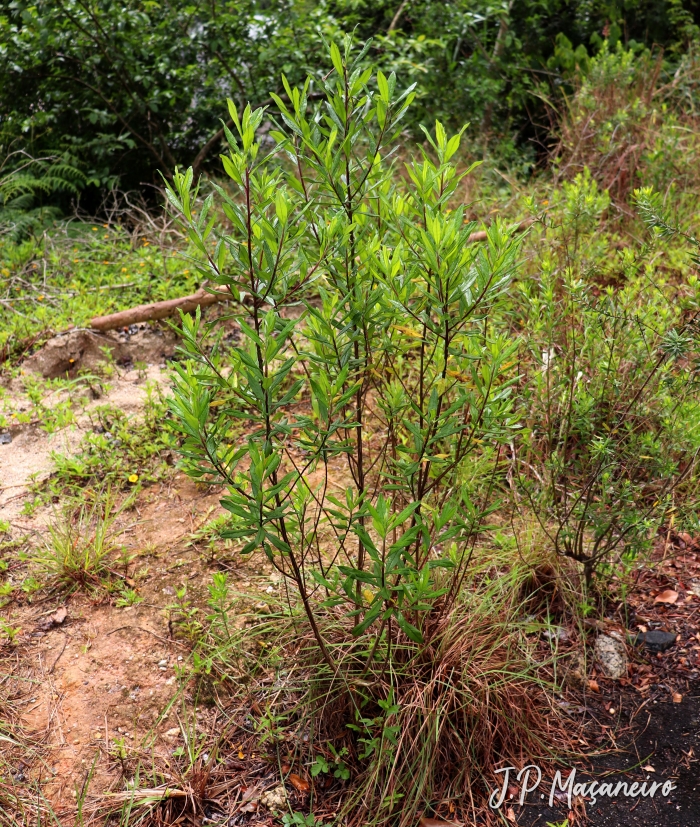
<point x="609" y="389"/>
<point x="376" y="398"/>
<point x="631" y="123"/>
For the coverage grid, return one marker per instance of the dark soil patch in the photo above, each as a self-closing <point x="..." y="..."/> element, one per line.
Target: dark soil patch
<point x="665" y="736"/>
<point x="646" y="726"/>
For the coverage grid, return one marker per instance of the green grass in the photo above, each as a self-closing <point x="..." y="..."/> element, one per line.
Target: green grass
<point x="120" y="450"/>
<point x="77" y="271"/>
<point x="81" y="549"/>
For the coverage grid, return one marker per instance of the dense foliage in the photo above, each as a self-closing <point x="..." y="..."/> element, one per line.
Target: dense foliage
<point x="127" y="89"/>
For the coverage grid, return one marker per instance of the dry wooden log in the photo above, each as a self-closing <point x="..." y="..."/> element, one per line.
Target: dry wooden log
<point x="158" y="310"/>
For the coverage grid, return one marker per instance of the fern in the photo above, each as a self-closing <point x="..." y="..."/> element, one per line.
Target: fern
<point x="24" y="180"/>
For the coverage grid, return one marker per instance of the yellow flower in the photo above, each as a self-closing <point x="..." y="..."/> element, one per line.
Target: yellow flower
<point x="134" y="478"/>
<point x="106" y="226"/>
<point x="40" y="298"/>
<point x="106" y="235"/>
<point x="142" y="264"/>
<point x="5" y="271"/>
<point x="123" y="269"/>
<point x="94" y="229"/>
<point x="368" y="595"/>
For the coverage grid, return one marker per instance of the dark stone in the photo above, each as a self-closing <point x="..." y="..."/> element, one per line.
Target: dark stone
<point x="5" y="439"/>
<point x="656" y="641"/>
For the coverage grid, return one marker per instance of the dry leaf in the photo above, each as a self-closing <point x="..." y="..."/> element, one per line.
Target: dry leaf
<point x="300" y="784"/>
<point x="677" y="697"/>
<point x="593" y="686"/>
<point x="648" y="768"/>
<point x="667" y="596"/>
<point x="434" y="822"/>
<point x="56" y="619"/>
<point x="510" y="814"/>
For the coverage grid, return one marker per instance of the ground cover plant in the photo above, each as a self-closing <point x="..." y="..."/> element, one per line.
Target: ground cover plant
<point x="51" y="282"/>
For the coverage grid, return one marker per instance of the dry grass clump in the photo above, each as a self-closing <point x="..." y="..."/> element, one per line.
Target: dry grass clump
<point x="424" y="727"/>
<point x="21" y="801"/>
<point x="471" y="704"/>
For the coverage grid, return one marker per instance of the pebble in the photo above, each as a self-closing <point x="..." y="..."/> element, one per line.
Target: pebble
<point x="611" y="654"/>
<point x="656" y="640"/>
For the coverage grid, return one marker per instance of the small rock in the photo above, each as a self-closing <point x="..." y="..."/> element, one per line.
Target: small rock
<point x="172" y="733"/>
<point x="274" y="799"/>
<point x="6" y="438"/>
<point x="611" y="654"/>
<point x="163" y="662"/>
<point x="656" y="640"/>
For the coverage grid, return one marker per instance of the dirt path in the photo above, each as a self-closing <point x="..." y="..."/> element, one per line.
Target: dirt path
<point x="93" y="681"/>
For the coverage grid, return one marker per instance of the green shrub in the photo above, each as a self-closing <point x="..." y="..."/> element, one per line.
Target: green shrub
<point x="609" y="391"/>
<point x="375" y="398"/>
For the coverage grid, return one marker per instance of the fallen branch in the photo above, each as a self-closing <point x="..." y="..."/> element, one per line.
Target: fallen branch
<point x="159" y="310"/>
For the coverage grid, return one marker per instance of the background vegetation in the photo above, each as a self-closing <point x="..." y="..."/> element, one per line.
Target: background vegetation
<point x="114" y="93"/>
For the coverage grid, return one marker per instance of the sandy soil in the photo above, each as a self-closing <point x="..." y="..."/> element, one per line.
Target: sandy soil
<point x="97" y="674"/>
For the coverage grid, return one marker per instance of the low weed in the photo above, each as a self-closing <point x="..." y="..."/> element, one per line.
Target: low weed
<point x="81" y="547"/>
<point x="120" y="450"/>
<point x="212" y="535"/>
<point x="51" y="404"/>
